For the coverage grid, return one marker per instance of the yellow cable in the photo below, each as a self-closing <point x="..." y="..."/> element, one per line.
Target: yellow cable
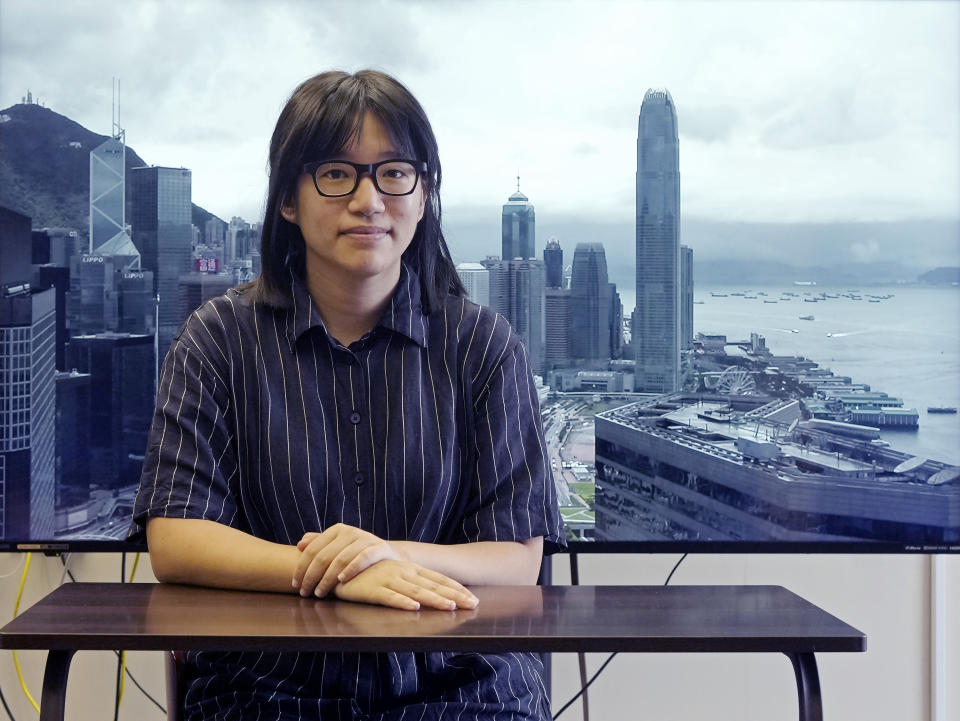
<point x="123" y="654"/>
<point x="16" y="610"/>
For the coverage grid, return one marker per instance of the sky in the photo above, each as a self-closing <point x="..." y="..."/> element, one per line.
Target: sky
<point x="789" y="111"/>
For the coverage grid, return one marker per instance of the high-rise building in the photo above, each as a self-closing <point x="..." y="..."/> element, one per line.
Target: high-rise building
<point x="556" y="324"/>
<point x="197" y="288"/>
<point x="107" y="191"/>
<point x="27" y="398"/>
<point x="163" y="233"/>
<point x="121" y="402"/>
<point x="476" y="279"/>
<point x="106" y="295"/>
<point x="686" y="297"/>
<point x="72" y="439"/>
<point x="590" y="303"/>
<point x="616" y="323"/>
<point x="517" y="293"/>
<point x="553" y="260"/>
<point x="656" y="320"/>
<point x="519" y="238"/>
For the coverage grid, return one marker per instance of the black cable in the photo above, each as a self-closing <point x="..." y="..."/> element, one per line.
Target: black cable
<point x="143" y="690"/>
<point x="676" y="566"/>
<point x="610" y="658"/>
<point x="6" y="708"/>
<point x="581" y="656"/>
<point x="116" y="705"/>
<point x="592" y="679"/>
<point x="127" y="670"/>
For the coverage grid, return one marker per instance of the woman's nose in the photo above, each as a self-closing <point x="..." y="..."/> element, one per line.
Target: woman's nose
<point x="366" y="199"/>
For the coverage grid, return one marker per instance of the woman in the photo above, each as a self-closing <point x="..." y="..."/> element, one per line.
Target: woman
<point x="350" y="425"/>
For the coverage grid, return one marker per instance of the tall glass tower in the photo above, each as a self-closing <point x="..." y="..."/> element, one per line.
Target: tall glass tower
<point x="590" y="303"/>
<point x="553" y="260"/>
<point x="656" y="319"/>
<point x="518" y="227"/>
<point x="162" y="232"/>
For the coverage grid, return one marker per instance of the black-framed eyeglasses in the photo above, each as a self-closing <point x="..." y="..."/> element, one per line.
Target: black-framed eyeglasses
<point x="337" y="178"/>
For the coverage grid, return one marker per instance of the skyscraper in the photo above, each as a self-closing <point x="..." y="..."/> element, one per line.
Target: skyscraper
<point x="107" y="191"/>
<point x="163" y="233"/>
<point x="553" y="260"/>
<point x="517" y="293"/>
<point x="518" y="227"/>
<point x="121" y="402"/>
<point x="686" y="297"/>
<point x="656" y="320"/>
<point x="476" y="279"/>
<point x="556" y="328"/>
<point x="590" y="303"/>
<point x="27" y="396"/>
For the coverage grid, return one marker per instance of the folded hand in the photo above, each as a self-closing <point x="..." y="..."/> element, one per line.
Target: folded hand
<point x="405" y="585"/>
<point x="336" y="556"/>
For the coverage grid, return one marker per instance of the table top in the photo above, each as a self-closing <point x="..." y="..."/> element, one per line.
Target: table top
<point x="150" y="616"/>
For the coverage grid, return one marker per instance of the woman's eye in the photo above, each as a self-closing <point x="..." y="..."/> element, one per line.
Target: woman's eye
<point x="334" y="174"/>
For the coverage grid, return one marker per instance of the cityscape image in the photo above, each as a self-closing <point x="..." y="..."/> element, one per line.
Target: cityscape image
<point x="737" y="282"/>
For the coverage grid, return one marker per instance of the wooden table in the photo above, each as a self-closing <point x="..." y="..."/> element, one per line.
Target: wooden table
<point x="644" y="619"/>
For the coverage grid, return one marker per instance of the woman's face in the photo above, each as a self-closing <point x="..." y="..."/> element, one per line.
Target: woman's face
<point x="359" y="237"/>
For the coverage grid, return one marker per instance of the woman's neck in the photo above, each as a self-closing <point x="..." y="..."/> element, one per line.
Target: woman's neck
<point x="349" y="309"/>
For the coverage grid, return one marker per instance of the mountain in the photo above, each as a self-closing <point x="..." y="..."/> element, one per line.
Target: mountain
<point x="45" y="168"/>
<point x="941" y="275"/>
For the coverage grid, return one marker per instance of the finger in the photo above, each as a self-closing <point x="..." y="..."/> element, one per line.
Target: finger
<point x="427" y="597"/>
<point x="363" y="560"/>
<point x="452" y="589"/>
<point x="307" y="538"/>
<point x="313" y="547"/>
<point x="317" y="556"/>
<point x="329" y="577"/>
<point x="389" y="597"/>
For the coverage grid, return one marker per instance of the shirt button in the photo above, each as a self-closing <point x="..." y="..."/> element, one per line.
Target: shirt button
<point x="359" y="479"/>
<point x="354" y="418"/>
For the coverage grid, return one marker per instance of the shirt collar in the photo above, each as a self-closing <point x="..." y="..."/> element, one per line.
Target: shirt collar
<point x="402" y="315"/>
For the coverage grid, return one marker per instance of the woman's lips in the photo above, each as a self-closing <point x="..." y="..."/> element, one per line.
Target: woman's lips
<point x="365" y="231"/>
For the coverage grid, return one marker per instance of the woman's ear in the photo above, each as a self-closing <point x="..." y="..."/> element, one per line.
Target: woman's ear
<point x="288" y="210"/>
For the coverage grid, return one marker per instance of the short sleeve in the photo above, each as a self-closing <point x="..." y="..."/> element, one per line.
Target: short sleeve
<point x="190" y="460"/>
<point x="515" y="497"/>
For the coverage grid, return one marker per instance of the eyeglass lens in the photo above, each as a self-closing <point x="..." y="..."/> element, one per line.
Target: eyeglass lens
<point x="393" y="178"/>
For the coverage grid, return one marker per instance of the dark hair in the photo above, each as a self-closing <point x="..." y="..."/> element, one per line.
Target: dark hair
<point x="323" y="115"/>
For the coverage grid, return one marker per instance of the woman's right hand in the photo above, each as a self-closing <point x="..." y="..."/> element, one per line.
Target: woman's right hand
<point x="405" y="585"/>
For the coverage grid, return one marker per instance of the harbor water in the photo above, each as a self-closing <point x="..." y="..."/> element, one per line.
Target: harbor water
<point x="907" y="345"/>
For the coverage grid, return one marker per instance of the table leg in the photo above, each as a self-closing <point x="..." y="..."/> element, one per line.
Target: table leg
<point x="54" y="694"/>
<point x="808" y="685"/>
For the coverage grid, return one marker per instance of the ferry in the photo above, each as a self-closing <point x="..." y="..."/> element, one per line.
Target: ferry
<point x="941" y="409"/>
<point x="807" y="317"/>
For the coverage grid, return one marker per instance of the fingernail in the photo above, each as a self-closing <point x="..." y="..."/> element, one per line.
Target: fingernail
<point x="340" y="578"/>
<point x="318" y="593"/>
<point x="295" y="584"/>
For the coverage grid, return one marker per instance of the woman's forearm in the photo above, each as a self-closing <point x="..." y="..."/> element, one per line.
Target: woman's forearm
<point x="206" y="553"/>
<point x="483" y="563"/>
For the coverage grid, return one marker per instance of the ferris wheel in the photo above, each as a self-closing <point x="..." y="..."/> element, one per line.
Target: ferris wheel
<point x="735" y="381"/>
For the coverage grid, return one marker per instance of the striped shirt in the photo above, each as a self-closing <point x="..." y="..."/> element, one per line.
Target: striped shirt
<point x="426" y="429"/>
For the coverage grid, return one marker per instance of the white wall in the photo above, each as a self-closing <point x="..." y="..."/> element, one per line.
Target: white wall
<point x="886" y="597"/>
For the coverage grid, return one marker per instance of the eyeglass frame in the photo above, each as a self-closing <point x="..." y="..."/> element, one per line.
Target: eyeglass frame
<point x="362" y="169"/>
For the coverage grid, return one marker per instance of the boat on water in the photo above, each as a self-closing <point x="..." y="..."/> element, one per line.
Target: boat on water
<point x="941" y="409"/>
<point x="807" y="317"/>
<point x="769" y="301"/>
<point x="718" y="295"/>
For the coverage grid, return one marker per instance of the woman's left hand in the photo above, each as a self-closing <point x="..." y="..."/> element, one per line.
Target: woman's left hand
<point x="337" y="555"/>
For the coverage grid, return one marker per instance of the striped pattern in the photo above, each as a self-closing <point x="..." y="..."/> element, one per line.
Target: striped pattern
<point x="426" y="429"/>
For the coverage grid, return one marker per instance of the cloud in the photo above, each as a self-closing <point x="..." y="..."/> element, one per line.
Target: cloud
<point x="865" y="250"/>
<point x="709" y="124"/>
